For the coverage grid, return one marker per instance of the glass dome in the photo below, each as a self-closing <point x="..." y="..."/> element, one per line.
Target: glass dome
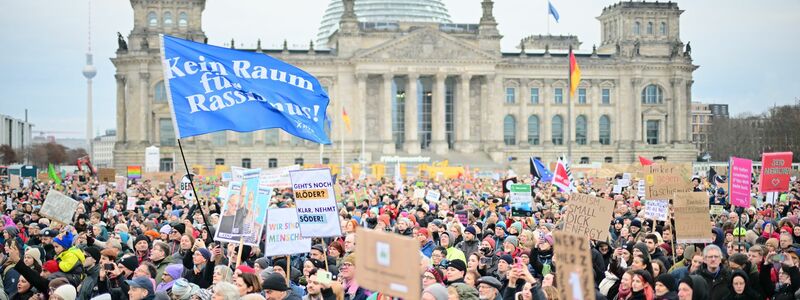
<point x="432" y="11"/>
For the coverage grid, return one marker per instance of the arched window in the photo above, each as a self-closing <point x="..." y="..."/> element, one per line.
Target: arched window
<point x="558" y="130"/>
<point x="636" y="26"/>
<point x="167" y="19"/>
<point x="580" y="130"/>
<point x="160" y="93"/>
<point x="152" y="19"/>
<point x="649" y="27"/>
<point x="652" y="94"/>
<point x="663" y="28"/>
<point x="183" y="19"/>
<point x="605" y="130"/>
<point x="533" y="130"/>
<point x="509" y="130"/>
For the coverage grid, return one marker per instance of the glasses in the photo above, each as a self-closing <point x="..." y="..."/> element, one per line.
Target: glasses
<point x="345" y="265"/>
<point x="429" y="277"/>
<point x="713" y="256"/>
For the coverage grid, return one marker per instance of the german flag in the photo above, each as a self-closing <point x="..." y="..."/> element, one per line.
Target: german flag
<point x="346" y="120"/>
<point x="574" y="73"/>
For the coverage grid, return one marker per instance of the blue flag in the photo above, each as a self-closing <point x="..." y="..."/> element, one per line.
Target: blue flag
<point x="213" y="89"/>
<point x="538" y="170"/>
<point x="552" y="10"/>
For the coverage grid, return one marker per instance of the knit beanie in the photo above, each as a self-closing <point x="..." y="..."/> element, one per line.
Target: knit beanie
<point x="437" y="290"/>
<point x="64" y="241"/>
<point x="66" y="292"/>
<point x="668" y="281"/>
<point x="130" y="262"/>
<point x="35" y="254"/>
<point x="513" y="240"/>
<point x="490" y="240"/>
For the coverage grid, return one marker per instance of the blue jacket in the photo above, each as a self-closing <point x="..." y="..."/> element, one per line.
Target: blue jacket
<point x="427" y="249"/>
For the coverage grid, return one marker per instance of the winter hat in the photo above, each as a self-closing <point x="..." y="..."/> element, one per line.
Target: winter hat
<point x="35" y="254"/>
<point x="64" y="241"/>
<point x="437" y="290"/>
<point x="739" y="259"/>
<point x="262" y="263"/>
<point x="274" y="282"/>
<point x="491" y="281"/>
<point x="465" y="292"/>
<point x="246" y="269"/>
<point x="184" y="289"/>
<point x="507" y="258"/>
<point x="490" y="240"/>
<point x="130" y="262"/>
<point x="317" y="263"/>
<point x="50" y="266"/>
<point x="668" y="281"/>
<point x="140" y="238"/>
<point x="152" y="234"/>
<point x="424" y="231"/>
<point x="500" y="224"/>
<point x="517" y="226"/>
<point x="205" y="253"/>
<point x="11" y="230"/>
<point x="166" y="229"/>
<point x="513" y="240"/>
<point x="67" y="292"/>
<point x="436" y="274"/>
<point x="549" y="239"/>
<point x="470" y="229"/>
<point x="142" y="282"/>
<point x="174" y="270"/>
<point x="93" y="251"/>
<point x="636" y="223"/>
<point x="646" y="276"/>
<point x="458" y="265"/>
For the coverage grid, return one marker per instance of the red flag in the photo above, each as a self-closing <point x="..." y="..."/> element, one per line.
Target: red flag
<point x="645" y="161"/>
<point x="561" y="177"/>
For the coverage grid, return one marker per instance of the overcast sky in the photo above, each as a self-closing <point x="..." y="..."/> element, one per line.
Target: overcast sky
<point x="747" y="51"/>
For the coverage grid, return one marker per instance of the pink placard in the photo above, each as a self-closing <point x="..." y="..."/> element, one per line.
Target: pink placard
<point x="740" y="172"/>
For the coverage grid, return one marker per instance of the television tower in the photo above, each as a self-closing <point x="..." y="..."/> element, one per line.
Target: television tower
<point x="89" y="71"/>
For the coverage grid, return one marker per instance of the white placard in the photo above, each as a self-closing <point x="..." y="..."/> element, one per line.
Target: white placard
<point x="316" y="202"/>
<point x="419" y="193"/>
<point x="185" y="187"/>
<point x="152" y="157"/>
<point x="641" y="189"/>
<point x="626" y="176"/>
<point x="278" y="178"/>
<point x="617" y="189"/>
<point x="283" y="233"/>
<point x="656" y="209"/>
<point x="433" y="196"/>
<point x="58" y="207"/>
<point x="624" y="182"/>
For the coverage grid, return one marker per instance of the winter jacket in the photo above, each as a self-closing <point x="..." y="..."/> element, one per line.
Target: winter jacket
<point x="468" y="247"/>
<point x="718" y="283"/>
<point x="88" y="288"/>
<point x="161" y="266"/>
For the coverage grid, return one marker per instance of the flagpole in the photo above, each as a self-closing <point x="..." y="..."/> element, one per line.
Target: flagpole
<point x="547" y="16"/>
<point x="569" y="106"/>
<point x="341" y="147"/>
<point x="321" y="150"/>
<point x="196" y="197"/>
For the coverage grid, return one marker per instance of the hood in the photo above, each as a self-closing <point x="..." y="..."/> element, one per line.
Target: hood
<point x="719" y="240"/>
<point x="699" y="288"/>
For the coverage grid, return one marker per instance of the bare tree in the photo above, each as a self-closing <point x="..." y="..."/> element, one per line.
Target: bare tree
<point x="8" y="155"/>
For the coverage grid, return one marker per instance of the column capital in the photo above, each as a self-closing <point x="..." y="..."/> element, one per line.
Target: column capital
<point x="465" y="76"/>
<point x="441" y="76"/>
<point x="413" y="76"/>
<point x="119" y="77"/>
<point x="144" y="76"/>
<point x="361" y="76"/>
<point x="387" y="76"/>
<point x="675" y="81"/>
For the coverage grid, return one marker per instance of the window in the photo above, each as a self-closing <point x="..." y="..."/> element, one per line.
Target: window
<point x="606" y="96"/>
<point x="584" y="160"/>
<point x="219" y="162"/>
<point x="636" y="26"/>
<point x="272" y="163"/>
<point x="326" y="160"/>
<point x="152" y="19"/>
<point x="663" y="28"/>
<point x="167" y="19"/>
<point x="605" y="130"/>
<point x="652" y="94"/>
<point x="534" y="95"/>
<point x="165" y="165"/>
<point x="271" y="137"/>
<point x="166" y="134"/>
<point x="558" y="130"/>
<point x="559" y="96"/>
<point x="509" y="130"/>
<point x="533" y="130"/>
<point x="183" y="20"/>
<point x="580" y="130"/>
<point x="160" y="93"/>
<point x="246" y="163"/>
<point x="245" y="138"/>
<point x="219" y="138"/>
<point x="608" y="159"/>
<point x="581" y="96"/>
<point x="649" y="27"/>
<point x="298" y="161"/>
<point x="652" y="132"/>
<point x="510" y="95"/>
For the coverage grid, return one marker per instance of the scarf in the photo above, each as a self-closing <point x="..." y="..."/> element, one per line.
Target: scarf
<point x="624" y="292"/>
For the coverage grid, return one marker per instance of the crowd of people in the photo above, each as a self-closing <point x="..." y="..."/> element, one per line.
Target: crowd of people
<point x="163" y="249"/>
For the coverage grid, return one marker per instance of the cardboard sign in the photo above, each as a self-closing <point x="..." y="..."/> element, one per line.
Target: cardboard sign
<point x="121" y="183"/>
<point x="16" y="182"/>
<point x="283" y="233"/>
<point x="106" y="174"/>
<point x="227" y="230"/>
<point x="656" y="210"/>
<point x="776" y="169"/>
<point x="419" y="193"/>
<point x="662" y="180"/>
<point x="278" y="178"/>
<point x="521" y="200"/>
<point x="739" y="181"/>
<point x="575" y="275"/>
<point x="433" y="196"/>
<point x="58" y="207"/>
<point x="716" y="210"/>
<point x="692" y="224"/>
<point x="588" y="215"/>
<point x="316" y="203"/>
<point x="384" y="263"/>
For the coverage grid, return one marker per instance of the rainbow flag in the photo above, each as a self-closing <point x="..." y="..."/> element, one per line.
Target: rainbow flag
<point x="574" y="73"/>
<point x="134" y="172"/>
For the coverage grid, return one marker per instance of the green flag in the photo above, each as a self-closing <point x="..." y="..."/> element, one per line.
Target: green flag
<point x="53" y="175"/>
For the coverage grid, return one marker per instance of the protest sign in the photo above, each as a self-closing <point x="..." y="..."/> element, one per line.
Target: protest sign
<point x="15" y="182"/>
<point x="26" y="182"/>
<point x="253" y="208"/>
<point x="419" y="193"/>
<point x="771" y="197"/>
<point x="134" y="172"/>
<point x="617" y="189"/>
<point x="316" y="203"/>
<point x="237" y="173"/>
<point x="662" y="180"/>
<point x="462" y="217"/>
<point x="776" y="169"/>
<point x="521" y="200"/>
<point x="58" y="207"/>
<point x="278" y="178"/>
<point x="739" y="182"/>
<point x="43" y="177"/>
<point x="185" y="187"/>
<point x="626" y="176"/>
<point x="588" y="215"/>
<point x="385" y="261"/>
<point x="106" y="174"/>
<point x="130" y="205"/>
<point x="121" y="183"/>
<point x="101" y="189"/>
<point x="624" y="182"/>
<point x="716" y="210"/>
<point x="507" y="184"/>
<point x="691" y="217"/>
<point x="656" y="210"/>
<point x="575" y="275"/>
<point x="283" y="233"/>
<point x="640" y="189"/>
<point x="433" y="196"/>
<point x="226" y="229"/>
<point x="226" y="176"/>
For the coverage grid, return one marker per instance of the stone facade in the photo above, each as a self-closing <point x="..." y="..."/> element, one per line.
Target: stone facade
<point x="442" y="89"/>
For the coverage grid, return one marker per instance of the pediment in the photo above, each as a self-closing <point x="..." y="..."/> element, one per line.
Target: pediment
<point x="654" y="111"/>
<point x="425" y="44"/>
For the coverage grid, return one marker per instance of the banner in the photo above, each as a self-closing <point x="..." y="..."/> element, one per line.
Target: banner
<point x="662" y="180"/>
<point x="58" y="207"/>
<point x="521" y="200"/>
<point x="134" y="172"/>
<point x="656" y="210"/>
<point x="588" y="215"/>
<point x="226" y="229"/>
<point x="575" y="275"/>
<point x="283" y="233"/>
<point x="384" y="263"/>
<point x="739" y="181"/>
<point x="316" y="203"/>
<point x="278" y="178"/>
<point x="213" y="88"/>
<point x="776" y="169"/>
<point x="692" y="224"/>
<point x="253" y="207"/>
